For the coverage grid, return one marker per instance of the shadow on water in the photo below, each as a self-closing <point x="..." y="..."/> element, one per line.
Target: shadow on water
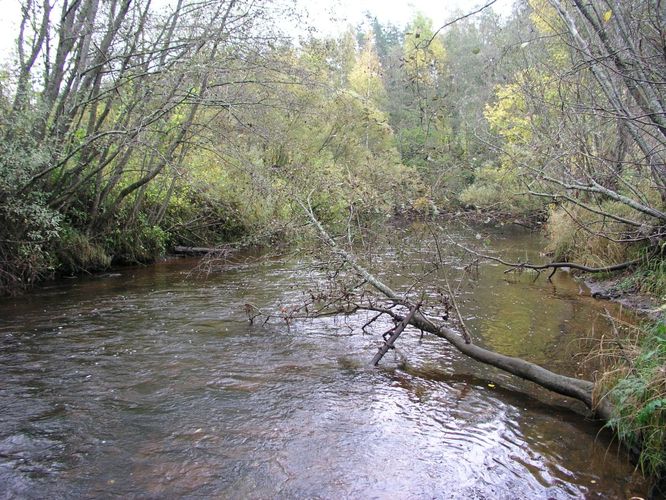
<point x="152" y="385"/>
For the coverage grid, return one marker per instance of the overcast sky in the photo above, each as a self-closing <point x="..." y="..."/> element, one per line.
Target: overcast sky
<point x="333" y="15"/>
<point x="327" y="16"/>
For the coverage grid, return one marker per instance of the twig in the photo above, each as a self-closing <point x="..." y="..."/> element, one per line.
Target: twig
<point x="375" y="318"/>
<point x="463" y="326"/>
<point x="465" y="16"/>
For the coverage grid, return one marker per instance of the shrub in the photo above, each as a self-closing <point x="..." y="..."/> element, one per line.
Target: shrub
<point x="578" y="235"/>
<point x="139" y="241"/>
<point x="28" y="229"/>
<point x="499" y="189"/>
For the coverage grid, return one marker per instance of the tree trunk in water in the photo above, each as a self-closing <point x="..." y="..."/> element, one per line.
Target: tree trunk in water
<point x="582" y="390"/>
<point x="199" y="250"/>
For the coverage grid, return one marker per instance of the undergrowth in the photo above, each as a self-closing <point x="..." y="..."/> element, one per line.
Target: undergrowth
<point x="653" y="277"/>
<point x="647" y="278"/>
<point x="636" y="375"/>
<point x="573" y="237"/>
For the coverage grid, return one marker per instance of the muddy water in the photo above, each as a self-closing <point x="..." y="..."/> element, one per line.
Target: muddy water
<point x="152" y="384"/>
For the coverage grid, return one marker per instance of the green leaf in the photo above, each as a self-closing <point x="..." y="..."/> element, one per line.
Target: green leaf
<point x="644" y="415"/>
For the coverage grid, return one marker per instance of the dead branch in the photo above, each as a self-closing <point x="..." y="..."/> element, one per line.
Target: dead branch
<point x="463" y="326"/>
<point x="459" y="18"/>
<point x="393" y="334"/>
<point x="517" y="266"/>
<point x="217" y="251"/>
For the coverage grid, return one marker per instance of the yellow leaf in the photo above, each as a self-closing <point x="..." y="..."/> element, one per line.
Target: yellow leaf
<point x="607" y="15"/>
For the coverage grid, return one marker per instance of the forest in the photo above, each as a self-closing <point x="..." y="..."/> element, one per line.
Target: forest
<point x="127" y="129"/>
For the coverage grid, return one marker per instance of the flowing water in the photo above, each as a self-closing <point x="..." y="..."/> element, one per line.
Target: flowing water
<point x="151" y="383"/>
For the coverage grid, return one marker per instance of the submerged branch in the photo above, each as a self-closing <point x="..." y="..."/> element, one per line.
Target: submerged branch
<point x="183" y="250"/>
<point x="393" y="335"/>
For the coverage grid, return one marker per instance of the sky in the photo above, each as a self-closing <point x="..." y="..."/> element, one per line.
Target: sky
<point x="10" y="12"/>
<point x="329" y="17"/>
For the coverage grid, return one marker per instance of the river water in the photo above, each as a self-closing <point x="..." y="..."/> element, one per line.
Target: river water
<point x="151" y="383"/>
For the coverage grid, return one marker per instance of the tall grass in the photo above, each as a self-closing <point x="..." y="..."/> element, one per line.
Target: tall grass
<point x="635" y="381"/>
<point x="576" y="235"/>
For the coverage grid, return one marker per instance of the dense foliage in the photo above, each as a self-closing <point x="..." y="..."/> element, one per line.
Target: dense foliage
<point x="126" y="130"/>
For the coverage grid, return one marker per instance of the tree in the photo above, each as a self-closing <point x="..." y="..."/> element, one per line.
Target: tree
<point x="623" y="47"/>
<point x="356" y="297"/>
<point x="580" y="127"/>
<point x="110" y="97"/>
<point x="423" y="63"/>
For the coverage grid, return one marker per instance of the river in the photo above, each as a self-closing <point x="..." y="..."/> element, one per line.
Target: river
<point x="151" y="383"/>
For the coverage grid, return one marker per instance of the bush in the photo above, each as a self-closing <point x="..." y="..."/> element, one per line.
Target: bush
<point x="28" y="227"/>
<point x="198" y="220"/>
<point x="577" y="235"/>
<point x="28" y="230"/>
<point x="139" y="241"/>
<point x="499" y="189"/>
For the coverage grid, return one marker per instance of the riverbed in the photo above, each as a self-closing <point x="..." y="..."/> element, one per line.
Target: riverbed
<point x="149" y="382"/>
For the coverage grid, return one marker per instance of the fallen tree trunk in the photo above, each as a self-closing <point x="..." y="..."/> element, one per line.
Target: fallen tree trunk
<point x="582" y="390"/>
<point x="199" y="250"/>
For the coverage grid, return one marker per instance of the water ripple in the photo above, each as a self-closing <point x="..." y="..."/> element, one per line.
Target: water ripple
<point x="155" y="387"/>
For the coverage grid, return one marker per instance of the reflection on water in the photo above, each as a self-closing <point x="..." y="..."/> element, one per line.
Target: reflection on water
<point x="152" y="385"/>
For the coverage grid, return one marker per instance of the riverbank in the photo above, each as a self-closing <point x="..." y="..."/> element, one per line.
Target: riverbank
<point x="633" y="375"/>
<point x="614" y="289"/>
<point x="624" y="288"/>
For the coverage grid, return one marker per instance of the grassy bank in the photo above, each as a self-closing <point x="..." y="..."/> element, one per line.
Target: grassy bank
<point x="634" y="379"/>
